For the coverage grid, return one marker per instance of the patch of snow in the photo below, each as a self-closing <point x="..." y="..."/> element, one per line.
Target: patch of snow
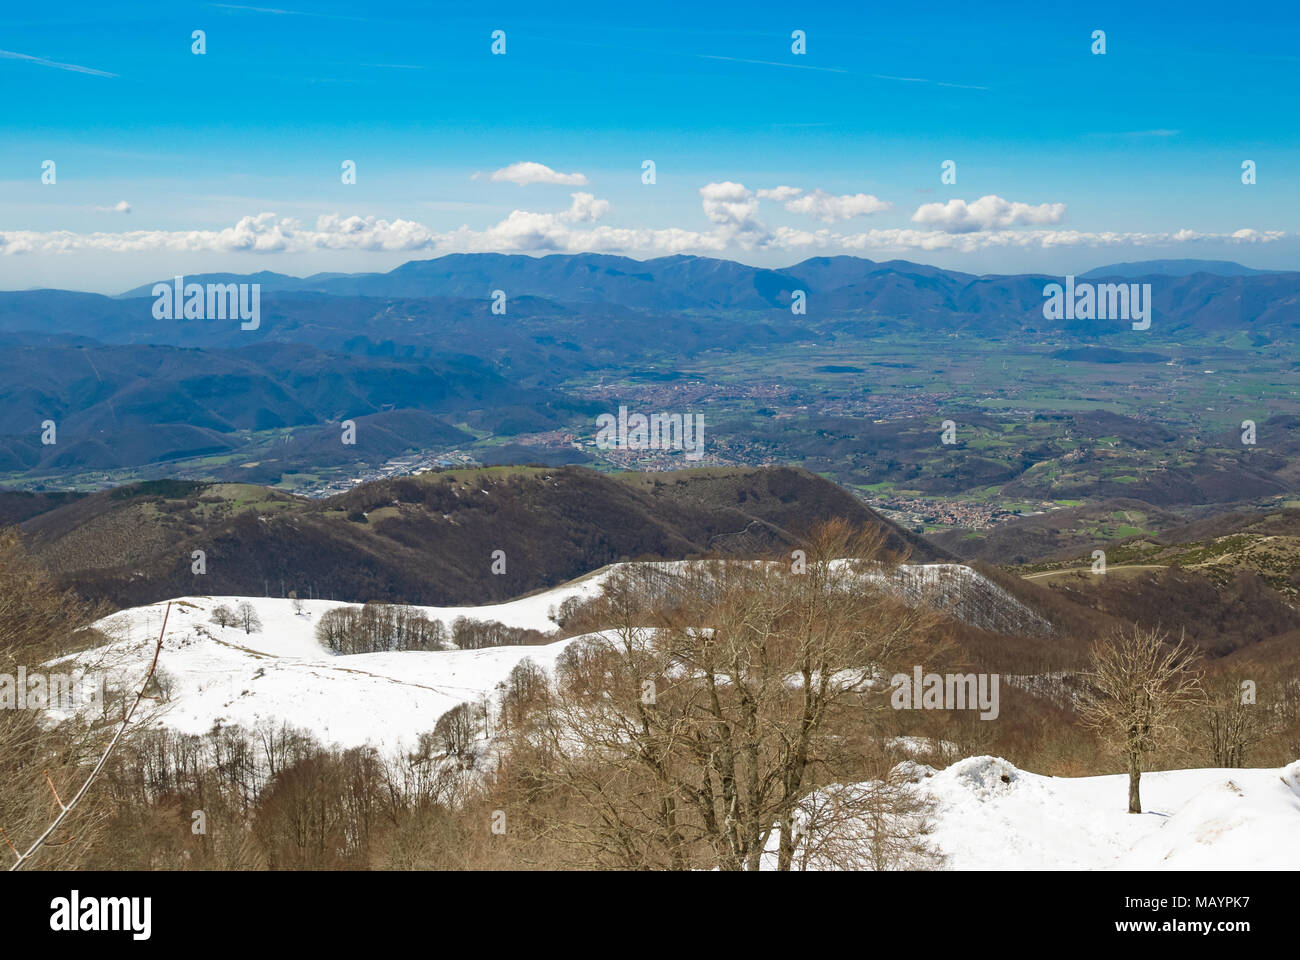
<point x="993" y="816"/>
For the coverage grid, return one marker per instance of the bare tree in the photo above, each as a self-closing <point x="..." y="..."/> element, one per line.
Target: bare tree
<point x="879" y="825"/>
<point x="1135" y="693"/>
<point x="296" y="603"/>
<point x="456" y="729"/>
<point x="689" y="733"/>
<point x="223" y="616"/>
<point x="160" y="686"/>
<point x="379" y="627"/>
<point x="522" y="691"/>
<point x="1231" y="723"/>
<point x="246" y="617"/>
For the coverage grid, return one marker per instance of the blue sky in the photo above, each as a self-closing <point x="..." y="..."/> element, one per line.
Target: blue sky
<point x="229" y="160"/>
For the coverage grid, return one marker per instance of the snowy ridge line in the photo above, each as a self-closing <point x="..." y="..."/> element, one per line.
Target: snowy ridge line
<point x="282" y="672"/>
<point x="952" y="588"/>
<point x="968" y="596"/>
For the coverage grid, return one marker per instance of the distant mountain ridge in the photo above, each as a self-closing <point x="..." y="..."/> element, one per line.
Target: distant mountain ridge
<point x="675" y="282"/>
<point x="597" y="302"/>
<point x="588" y="277"/>
<point x="1174" y="268"/>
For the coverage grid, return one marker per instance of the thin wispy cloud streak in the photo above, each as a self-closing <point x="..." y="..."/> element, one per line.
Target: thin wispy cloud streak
<point x="276" y="11"/>
<point x="41" y="61"/>
<point x="769" y="63"/>
<point x="937" y="83"/>
<point x="766" y="63"/>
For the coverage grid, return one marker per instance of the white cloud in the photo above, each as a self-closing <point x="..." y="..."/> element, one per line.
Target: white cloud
<point x="907" y="239"/>
<point x="829" y="208"/>
<point x="120" y="207"/>
<point x="780" y="194"/>
<point x="986" y="213"/>
<point x="729" y="203"/>
<point x="527" y="172"/>
<point x="734" y="208"/>
<point x="586" y="208"/>
<point x="826" y="207"/>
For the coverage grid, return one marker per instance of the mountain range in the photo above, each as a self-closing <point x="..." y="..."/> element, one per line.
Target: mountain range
<point x="674" y="283"/>
<point x="842" y="293"/>
<point x="420" y="359"/>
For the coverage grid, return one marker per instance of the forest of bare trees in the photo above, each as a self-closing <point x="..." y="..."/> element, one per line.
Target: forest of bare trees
<point x="382" y="627"/>
<point x="379" y="627"/>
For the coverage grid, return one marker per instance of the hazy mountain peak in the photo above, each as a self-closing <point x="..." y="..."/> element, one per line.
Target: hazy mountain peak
<point x="1173" y="268"/>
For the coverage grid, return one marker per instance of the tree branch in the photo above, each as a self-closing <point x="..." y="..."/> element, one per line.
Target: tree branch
<point x="126" y="719"/>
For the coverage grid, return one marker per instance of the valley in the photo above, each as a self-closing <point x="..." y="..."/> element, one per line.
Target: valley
<point x="1043" y="417"/>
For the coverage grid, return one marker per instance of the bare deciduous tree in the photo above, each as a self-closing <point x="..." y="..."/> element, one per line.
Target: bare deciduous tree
<point x="690" y="732"/>
<point x="246" y="617"/>
<point x="1231" y="723"/>
<point x="457" y="729"/>
<point x="1138" y="687"/>
<point x="65" y="809"/>
<point x="879" y="825"/>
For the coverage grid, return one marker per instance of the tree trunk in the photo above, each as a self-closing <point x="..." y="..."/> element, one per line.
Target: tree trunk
<point x="1134" y="776"/>
<point x="785" y="852"/>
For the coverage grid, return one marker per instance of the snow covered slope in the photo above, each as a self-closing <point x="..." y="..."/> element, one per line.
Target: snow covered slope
<point x="989" y="815"/>
<point x="992" y="816"/>
<point x="281" y="673"/>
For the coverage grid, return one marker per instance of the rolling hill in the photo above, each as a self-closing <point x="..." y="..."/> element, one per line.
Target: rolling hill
<point x="428" y="539"/>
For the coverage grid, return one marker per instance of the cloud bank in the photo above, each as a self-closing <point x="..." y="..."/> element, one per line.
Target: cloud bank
<point x="826" y="206"/>
<point x="731" y="209"/>
<point x="986" y="213"/>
